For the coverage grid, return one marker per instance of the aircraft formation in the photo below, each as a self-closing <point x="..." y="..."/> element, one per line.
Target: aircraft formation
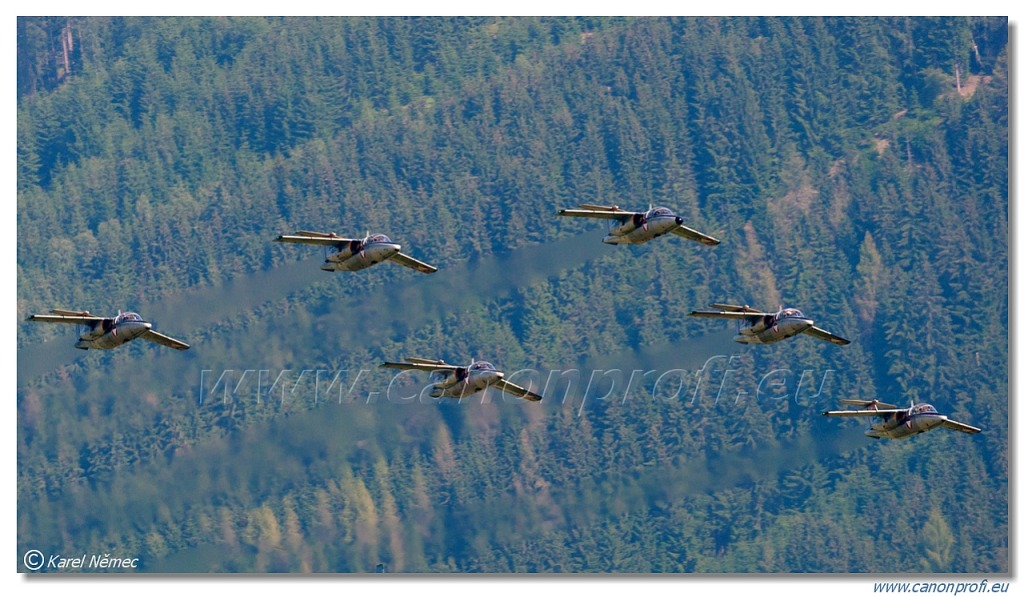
<point x="458" y="381"/>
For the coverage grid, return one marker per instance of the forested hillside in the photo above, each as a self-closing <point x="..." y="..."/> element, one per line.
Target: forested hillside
<point x="855" y="168"/>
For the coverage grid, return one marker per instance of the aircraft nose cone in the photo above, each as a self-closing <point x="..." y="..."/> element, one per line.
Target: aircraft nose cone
<point x="148" y="325"/>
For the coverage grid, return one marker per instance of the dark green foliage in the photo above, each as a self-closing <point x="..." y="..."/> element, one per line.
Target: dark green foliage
<point x="835" y="158"/>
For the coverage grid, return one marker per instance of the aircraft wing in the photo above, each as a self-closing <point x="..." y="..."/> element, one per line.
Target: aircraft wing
<point x="405" y="260"/>
<point x="420" y="365"/>
<point x="821" y="334"/>
<point x="304" y="237"/>
<point x="63" y="316"/>
<point x="692" y="234"/>
<point x="958" y="426"/>
<point x="597" y="211"/>
<point x="155" y="336"/>
<point x="862" y="413"/>
<point x="511" y="388"/>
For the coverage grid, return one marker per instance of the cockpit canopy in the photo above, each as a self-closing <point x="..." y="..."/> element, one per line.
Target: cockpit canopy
<point x="793" y="313"/>
<point x="128" y="316"/>
<point x="923" y="409"/>
<point x="481" y="366"/>
<point x="660" y="212"/>
<point x="378" y="238"/>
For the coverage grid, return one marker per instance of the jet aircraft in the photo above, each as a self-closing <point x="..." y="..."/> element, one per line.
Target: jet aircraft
<point x="898" y="423"/>
<point x="634" y="228"/>
<point x="352" y="254"/>
<point x="109" y="332"/>
<point x="452" y="381"/>
<point x="757" y="327"/>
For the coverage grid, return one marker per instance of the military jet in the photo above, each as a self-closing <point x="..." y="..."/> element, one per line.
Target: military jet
<point x="453" y="381"/>
<point x="757" y="327"/>
<point x="109" y="332"/>
<point x="634" y="227"/>
<point x="352" y="254"/>
<point x="898" y="423"/>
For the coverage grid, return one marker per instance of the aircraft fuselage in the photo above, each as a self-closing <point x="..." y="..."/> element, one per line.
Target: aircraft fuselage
<point x="902" y="425"/>
<point x="450" y="386"/>
<point x="104" y="335"/>
<point x="643" y="227"/>
<point x="358" y="255"/>
<point x="772" y="328"/>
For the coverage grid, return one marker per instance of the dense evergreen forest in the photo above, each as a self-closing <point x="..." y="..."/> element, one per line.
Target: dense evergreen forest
<point x="855" y="168"/>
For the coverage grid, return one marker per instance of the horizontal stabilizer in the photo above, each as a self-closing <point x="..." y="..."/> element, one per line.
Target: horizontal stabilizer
<point x="749" y="315"/>
<point x="597" y="211"/>
<point x="863" y="413"/>
<point x="91" y="320"/>
<point x="312" y="238"/>
<point x="736" y="308"/>
<point x="425" y="361"/>
<point x="867" y="403"/>
<point x="320" y="234"/>
<point x="600" y="207"/>
<point x="74" y="313"/>
<point x="420" y="365"/>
